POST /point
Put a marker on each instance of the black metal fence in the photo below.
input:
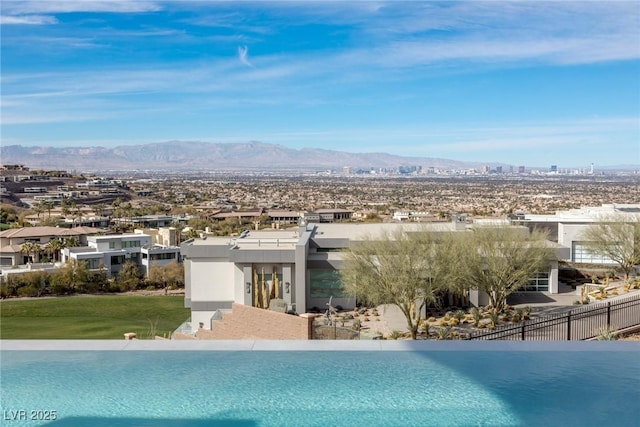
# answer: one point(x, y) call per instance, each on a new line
point(578, 324)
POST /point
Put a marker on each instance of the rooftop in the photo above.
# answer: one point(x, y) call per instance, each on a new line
point(47, 231)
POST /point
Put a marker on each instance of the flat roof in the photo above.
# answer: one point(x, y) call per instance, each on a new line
point(358, 231)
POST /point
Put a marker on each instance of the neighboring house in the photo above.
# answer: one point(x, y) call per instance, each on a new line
point(153, 221)
point(252, 215)
point(328, 215)
point(281, 217)
point(302, 263)
point(413, 216)
point(11, 240)
point(70, 222)
point(111, 252)
point(567, 228)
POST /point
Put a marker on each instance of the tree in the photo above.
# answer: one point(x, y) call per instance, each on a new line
point(38, 209)
point(404, 269)
point(500, 260)
point(69, 278)
point(616, 237)
point(167, 275)
point(130, 276)
point(47, 205)
point(200, 223)
point(71, 242)
point(54, 247)
point(67, 205)
point(32, 250)
point(51, 221)
point(8, 213)
point(100, 208)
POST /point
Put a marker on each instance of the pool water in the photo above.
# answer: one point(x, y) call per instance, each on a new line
point(321, 388)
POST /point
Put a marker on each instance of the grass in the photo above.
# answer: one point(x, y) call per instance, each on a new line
point(91, 317)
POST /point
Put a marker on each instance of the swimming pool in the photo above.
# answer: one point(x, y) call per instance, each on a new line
point(380, 384)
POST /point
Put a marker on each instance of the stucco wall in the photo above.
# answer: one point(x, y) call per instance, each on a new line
point(212, 281)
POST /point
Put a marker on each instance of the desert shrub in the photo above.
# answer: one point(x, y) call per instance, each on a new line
point(59, 288)
point(475, 315)
point(459, 315)
point(606, 334)
point(28, 291)
point(444, 333)
point(395, 335)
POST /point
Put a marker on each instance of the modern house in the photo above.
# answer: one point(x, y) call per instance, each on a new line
point(299, 266)
point(147, 221)
point(111, 252)
point(328, 215)
point(567, 228)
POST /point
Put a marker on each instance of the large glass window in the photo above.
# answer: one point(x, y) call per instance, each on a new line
point(325, 284)
point(538, 283)
point(164, 256)
point(93, 263)
point(580, 253)
point(117, 260)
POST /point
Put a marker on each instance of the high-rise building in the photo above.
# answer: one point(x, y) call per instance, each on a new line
point(520, 169)
point(553, 168)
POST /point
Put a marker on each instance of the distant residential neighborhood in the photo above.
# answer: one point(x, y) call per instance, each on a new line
point(227, 245)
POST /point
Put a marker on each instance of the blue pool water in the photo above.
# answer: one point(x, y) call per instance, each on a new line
point(321, 388)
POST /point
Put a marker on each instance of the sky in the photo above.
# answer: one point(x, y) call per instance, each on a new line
point(522, 83)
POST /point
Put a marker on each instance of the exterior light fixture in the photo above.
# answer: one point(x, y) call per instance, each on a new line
point(248, 287)
point(287, 285)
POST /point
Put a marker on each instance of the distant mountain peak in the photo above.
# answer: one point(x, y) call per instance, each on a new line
point(200, 155)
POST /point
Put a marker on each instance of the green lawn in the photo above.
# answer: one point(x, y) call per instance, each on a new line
point(91, 317)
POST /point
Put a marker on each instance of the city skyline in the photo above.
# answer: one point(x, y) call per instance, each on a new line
point(518, 83)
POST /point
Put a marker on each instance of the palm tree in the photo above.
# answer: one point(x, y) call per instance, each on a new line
point(31, 249)
point(38, 209)
point(48, 205)
point(71, 242)
point(54, 247)
point(100, 207)
point(66, 205)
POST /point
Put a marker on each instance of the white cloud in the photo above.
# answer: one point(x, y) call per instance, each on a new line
point(27, 20)
point(13, 7)
point(243, 53)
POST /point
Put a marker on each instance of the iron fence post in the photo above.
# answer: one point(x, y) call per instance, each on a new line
point(608, 314)
point(569, 326)
point(522, 332)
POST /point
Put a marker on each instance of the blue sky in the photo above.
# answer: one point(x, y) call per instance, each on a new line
point(531, 83)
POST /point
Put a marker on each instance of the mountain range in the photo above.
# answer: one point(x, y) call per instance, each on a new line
point(207, 156)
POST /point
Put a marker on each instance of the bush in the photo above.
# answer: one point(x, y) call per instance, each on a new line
point(606, 335)
point(395, 335)
point(59, 289)
point(28, 291)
